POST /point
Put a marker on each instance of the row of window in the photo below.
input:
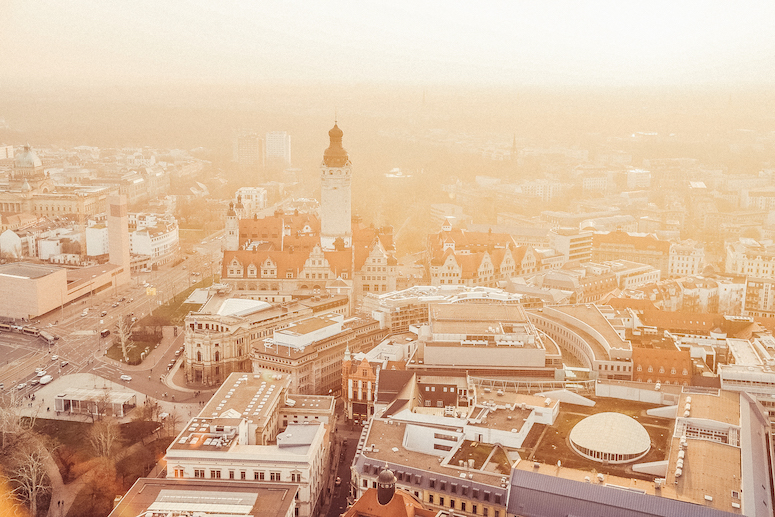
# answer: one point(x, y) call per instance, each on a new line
point(463, 505)
point(662, 370)
point(243, 475)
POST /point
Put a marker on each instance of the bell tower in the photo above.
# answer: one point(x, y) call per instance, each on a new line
point(335, 193)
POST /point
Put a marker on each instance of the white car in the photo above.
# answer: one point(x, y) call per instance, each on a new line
point(46, 379)
point(21, 386)
point(126, 378)
point(41, 373)
point(54, 357)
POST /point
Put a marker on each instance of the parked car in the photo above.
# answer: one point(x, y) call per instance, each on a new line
point(64, 363)
point(126, 378)
point(338, 481)
point(34, 382)
point(54, 357)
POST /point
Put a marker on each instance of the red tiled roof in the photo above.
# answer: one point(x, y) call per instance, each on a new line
point(271, 229)
point(402, 504)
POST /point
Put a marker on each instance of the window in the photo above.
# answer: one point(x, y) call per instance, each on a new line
point(243, 474)
point(215, 474)
point(451, 503)
point(231, 474)
point(274, 476)
point(430, 498)
point(474, 509)
point(485, 511)
point(462, 506)
point(199, 473)
point(365, 483)
point(651, 369)
point(296, 478)
point(441, 501)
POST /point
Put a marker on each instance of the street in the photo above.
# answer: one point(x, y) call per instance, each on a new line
point(81, 347)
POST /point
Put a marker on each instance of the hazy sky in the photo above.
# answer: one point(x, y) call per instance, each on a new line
point(512, 42)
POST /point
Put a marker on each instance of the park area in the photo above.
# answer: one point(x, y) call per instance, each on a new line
point(96, 461)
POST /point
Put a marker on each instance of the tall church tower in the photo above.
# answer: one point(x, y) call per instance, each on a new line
point(335, 197)
point(232, 229)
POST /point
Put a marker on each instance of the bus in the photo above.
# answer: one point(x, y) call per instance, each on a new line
point(47, 337)
point(31, 331)
point(5, 326)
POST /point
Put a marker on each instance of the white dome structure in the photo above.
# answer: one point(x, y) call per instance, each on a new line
point(611, 438)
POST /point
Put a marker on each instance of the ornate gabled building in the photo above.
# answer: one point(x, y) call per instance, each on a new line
point(296, 253)
point(458, 257)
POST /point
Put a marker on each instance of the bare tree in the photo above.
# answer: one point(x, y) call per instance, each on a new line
point(10, 505)
point(104, 437)
point(101, 405)
point(172, 421)
point(124, 336)
point(29, 474)
point(12, 425)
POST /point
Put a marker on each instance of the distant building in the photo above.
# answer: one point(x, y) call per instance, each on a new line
point(278, 147)
point(644, 249)
point(572, 243)
point(543, 189)
point(249, 150)
point(30, 191)
point(440, 212)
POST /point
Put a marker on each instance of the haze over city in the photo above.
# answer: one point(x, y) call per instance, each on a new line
point(337, 259)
